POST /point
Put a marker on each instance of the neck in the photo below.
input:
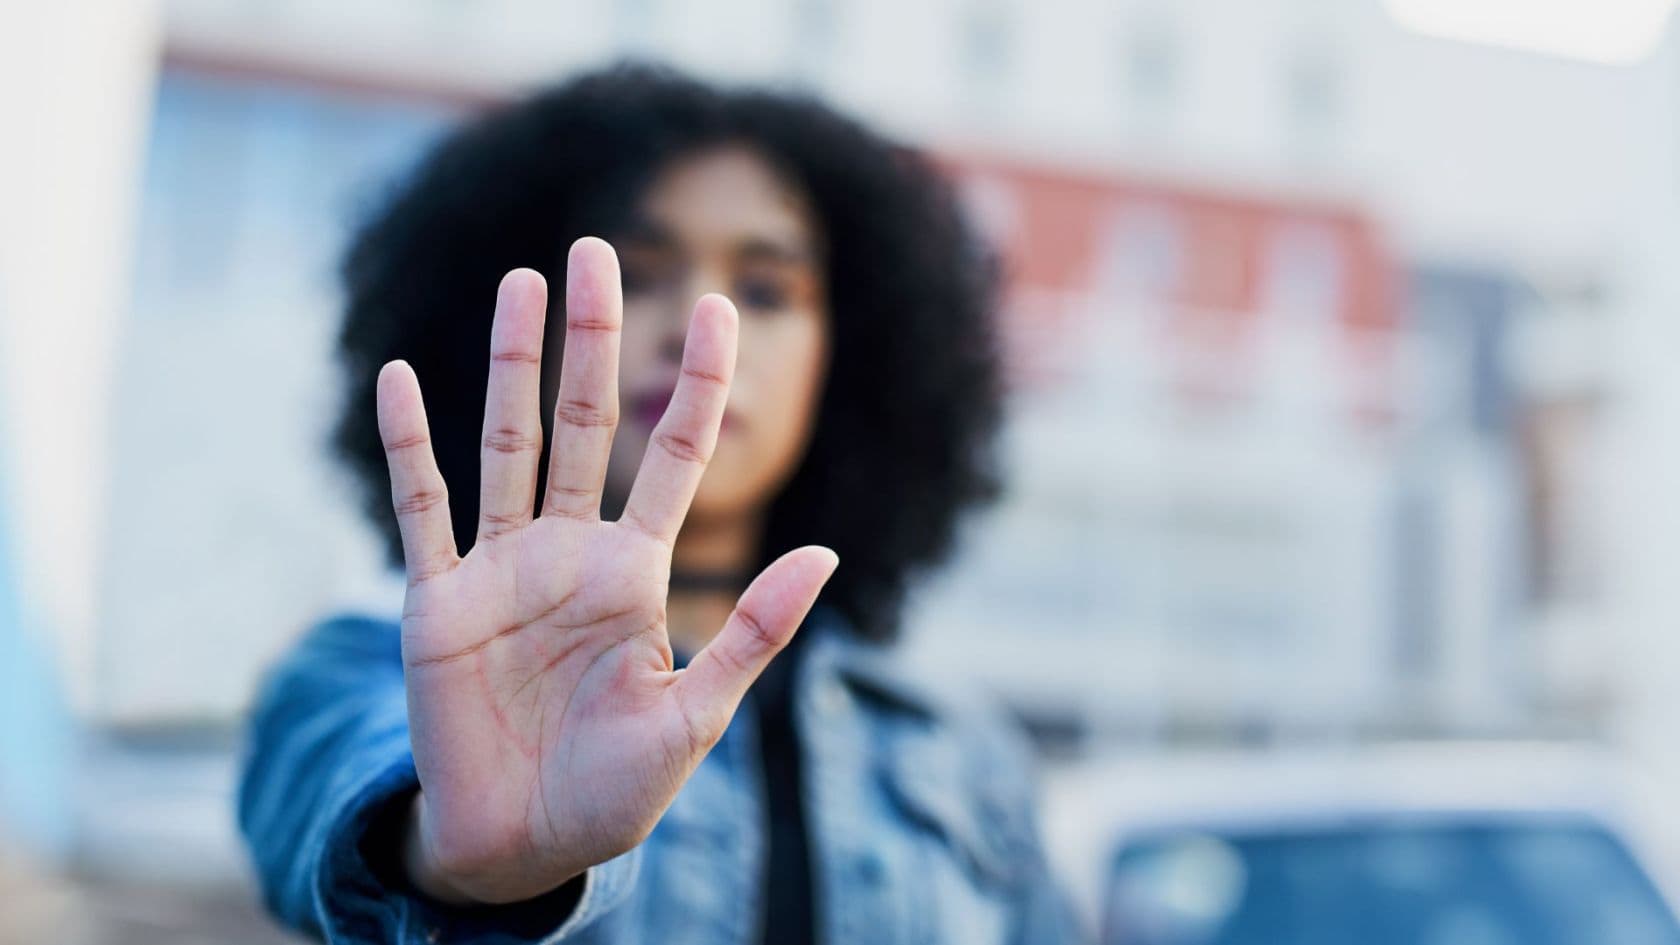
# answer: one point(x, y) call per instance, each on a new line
point(696, 613)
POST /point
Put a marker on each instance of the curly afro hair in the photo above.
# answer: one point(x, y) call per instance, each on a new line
point(904, 441)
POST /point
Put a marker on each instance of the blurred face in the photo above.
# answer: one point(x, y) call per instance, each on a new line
point(723, 221)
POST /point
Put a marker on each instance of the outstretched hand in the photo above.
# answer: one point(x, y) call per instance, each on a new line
point(549, 728)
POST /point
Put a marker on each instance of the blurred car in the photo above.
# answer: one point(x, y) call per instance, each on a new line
point(1407, 845)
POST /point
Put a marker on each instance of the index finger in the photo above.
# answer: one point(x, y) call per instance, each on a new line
point(418, 494)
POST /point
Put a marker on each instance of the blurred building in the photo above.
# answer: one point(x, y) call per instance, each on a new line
point(1255, 453)
point(1337, 350)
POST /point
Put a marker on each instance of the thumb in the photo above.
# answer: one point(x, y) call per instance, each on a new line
point(764, 620)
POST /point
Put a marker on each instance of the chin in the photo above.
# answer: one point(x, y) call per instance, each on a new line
point(715, 508)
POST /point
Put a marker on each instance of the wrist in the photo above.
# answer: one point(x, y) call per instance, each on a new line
point(446, 880)
point(421, 867)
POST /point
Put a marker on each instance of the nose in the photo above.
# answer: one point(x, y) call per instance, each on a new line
point(674, 328)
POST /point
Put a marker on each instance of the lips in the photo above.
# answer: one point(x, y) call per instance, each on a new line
point(646, 408)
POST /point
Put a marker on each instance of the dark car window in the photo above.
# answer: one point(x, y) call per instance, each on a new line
point(1540, 882)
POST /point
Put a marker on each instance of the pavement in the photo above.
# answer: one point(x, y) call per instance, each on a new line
point(38, 905)
point(155, 856)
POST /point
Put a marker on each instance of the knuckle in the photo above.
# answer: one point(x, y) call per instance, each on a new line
point(570, 510)
point(495, 524)
point(582, 413)
point(756, 632)
point(733, 663)
point(420, 501)
point(424, 571)
point(633, 520)
point(705, 377)
point(590, 325)
point(408, 442)
point(508, 440)
point(702, 730)
point(682, 447)
point(571, 502)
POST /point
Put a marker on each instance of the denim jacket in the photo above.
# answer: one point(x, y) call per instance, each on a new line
point(919, 811)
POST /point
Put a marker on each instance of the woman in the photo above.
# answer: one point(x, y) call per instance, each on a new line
point(551, 744)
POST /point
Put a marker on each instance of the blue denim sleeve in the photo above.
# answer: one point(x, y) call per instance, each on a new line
point(328, 755)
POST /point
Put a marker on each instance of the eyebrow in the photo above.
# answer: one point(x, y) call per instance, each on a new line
point(758, 249)
point(655, 235)
point(640, 229)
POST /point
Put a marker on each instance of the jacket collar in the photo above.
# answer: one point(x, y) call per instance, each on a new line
point(869, 668)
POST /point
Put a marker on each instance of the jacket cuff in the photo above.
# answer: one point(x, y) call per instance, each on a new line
point(605, 887)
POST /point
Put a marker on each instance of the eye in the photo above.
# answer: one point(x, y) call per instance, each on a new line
point(761, 293)
point(642, 275)
point(638, 280)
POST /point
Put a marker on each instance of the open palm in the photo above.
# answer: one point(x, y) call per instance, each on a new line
point(549, 728)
